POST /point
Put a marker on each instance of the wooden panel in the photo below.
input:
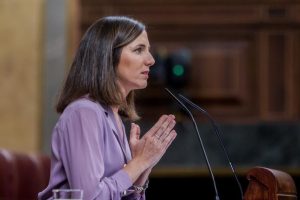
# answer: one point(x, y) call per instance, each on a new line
point(73, 29)
point(218, 70)
point(21, 55)
point(277, 73)
point(276, 60)
point(193, 12)
point(296, 70)
point(177, 13)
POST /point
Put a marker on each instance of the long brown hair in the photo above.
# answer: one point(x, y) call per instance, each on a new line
point(94, 67)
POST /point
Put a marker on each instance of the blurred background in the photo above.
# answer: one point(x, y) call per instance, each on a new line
point(237, 59)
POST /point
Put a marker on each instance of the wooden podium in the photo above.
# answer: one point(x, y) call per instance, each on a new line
point(270, 184)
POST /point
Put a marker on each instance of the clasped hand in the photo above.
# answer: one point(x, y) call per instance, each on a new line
point(152, 146)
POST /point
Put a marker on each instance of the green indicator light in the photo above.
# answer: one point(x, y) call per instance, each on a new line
point(178, 70)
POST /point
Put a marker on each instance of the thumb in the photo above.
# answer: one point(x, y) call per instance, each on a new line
point(134, 132)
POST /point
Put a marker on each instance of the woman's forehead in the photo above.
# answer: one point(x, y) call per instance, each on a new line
point(142, 39)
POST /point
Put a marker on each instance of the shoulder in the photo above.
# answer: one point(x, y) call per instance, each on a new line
point(83, 108)
point(84, 103)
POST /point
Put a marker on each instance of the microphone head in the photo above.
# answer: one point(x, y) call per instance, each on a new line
point(182, 105)
point(172, 95)
point(168, 91)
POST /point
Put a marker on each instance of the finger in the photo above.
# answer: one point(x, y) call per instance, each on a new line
point(172, 116)
point(167, 131)
point(157, 125)
point(169, 139)
point(165, 125)
point(138, 132)
point(133, 132)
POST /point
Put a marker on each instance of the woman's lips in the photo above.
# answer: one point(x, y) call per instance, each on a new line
point(145, 72)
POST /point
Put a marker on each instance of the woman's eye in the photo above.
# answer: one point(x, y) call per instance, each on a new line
point(138, 50)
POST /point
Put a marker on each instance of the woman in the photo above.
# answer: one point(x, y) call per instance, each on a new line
point(90, 150)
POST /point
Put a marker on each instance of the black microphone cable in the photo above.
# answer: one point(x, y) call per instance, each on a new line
point(217, 131)
point(200, 140)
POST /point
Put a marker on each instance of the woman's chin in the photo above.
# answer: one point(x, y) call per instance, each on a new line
point(141, 86)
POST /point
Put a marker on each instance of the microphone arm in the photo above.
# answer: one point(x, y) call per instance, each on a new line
point(217, 131)
point(200, 140)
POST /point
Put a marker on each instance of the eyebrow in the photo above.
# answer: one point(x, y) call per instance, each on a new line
point(142, 45)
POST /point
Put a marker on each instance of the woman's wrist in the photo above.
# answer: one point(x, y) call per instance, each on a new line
point(134, 169)
point(143, 177)
point(141, 189)
point(136, 189)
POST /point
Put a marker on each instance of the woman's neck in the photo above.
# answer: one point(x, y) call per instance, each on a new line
point(123, 90)
point(115, 109)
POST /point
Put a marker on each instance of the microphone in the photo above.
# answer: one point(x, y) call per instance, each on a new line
point(200, 140)
point(217, 131)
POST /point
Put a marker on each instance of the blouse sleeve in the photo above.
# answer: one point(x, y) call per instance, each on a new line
point(80, 151)
point(135, 196)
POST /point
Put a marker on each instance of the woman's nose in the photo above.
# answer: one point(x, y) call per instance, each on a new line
point(150, 60)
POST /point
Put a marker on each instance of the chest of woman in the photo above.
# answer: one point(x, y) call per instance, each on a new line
point(115, 149)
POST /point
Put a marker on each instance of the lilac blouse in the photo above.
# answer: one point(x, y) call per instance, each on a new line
point(89, 153)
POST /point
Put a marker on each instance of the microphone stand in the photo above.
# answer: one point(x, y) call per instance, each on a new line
point(217, 131)
point(200, 140)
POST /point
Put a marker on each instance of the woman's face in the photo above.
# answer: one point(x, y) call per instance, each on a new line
point(134, 66)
